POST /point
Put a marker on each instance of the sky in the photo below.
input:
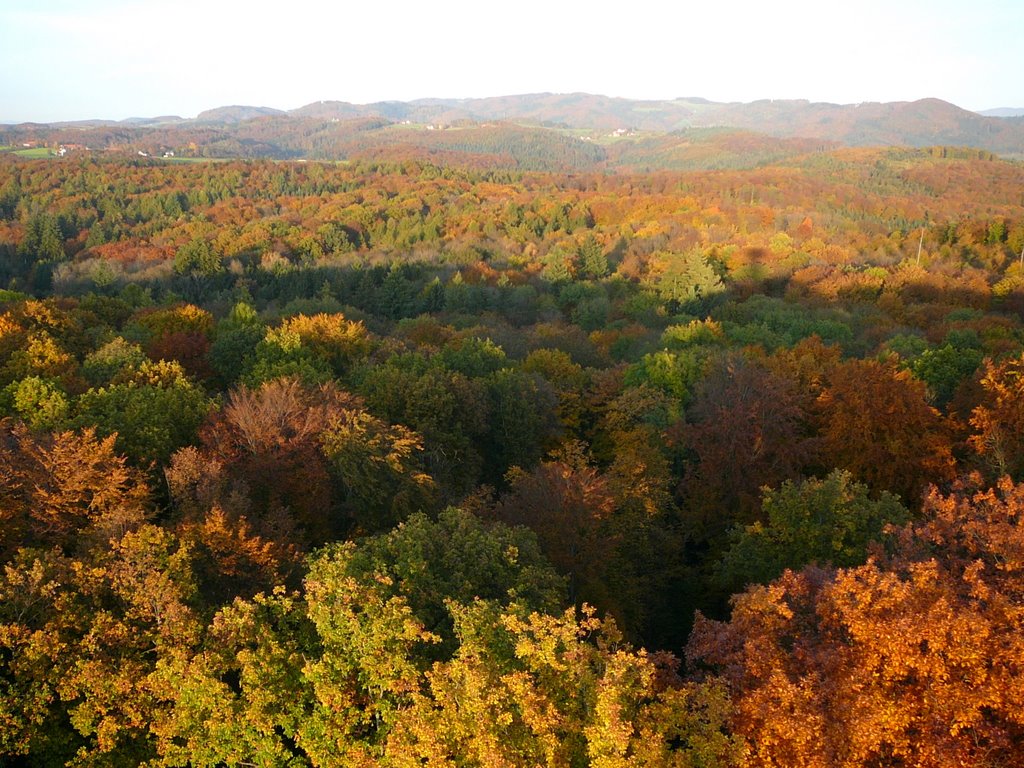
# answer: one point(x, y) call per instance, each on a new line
point(114, 59)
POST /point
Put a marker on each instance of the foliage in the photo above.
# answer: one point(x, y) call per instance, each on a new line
point(999, 418)
point(876, 422)
point(909, 658)
point(152, 413)
point(829, 522)
point(303, 463)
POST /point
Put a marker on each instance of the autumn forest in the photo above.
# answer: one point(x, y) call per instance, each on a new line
point(424, 459)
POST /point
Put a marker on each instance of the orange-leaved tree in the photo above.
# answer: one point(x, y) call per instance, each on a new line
point(875, 421)
point(913, 659)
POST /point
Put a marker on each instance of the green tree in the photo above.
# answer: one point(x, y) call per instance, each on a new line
point(828, 522)
point(553, 690)
point(117, 359)
point(591, 263)
point(944, 368)
point(153, 413)
point(197, 257)
point(378, 468)
point(40, 403)
point(686, 280)
point(43, 241)
point(457, 558)
point(523, 421)
point(234, 342)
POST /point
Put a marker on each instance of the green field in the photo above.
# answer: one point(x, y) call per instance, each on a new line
point(186, 160)
point(34, 152)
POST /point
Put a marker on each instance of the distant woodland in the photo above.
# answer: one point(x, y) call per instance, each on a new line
point(439, 458)
point(576, 132)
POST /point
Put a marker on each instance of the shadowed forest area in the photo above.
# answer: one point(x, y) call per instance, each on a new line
point(405, 463)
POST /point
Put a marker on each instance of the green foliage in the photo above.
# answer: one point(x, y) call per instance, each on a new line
point(686, 281)
point(522, 424)
point(282, 354)
point(197, 257)
point(554, 690)
point(43, 241)
point(153, 412)
point(775, 323)
point(457, 558)
point(117, 359)
point(379, 469)
point(696, 333)
point(591, 262)
point(592, 314)
point(674, 373)
point(448, 409)
point(944, 368)
point(828, 522)
point(473, 357)
point(235, 339)
point(908, 346)
point(40, 403)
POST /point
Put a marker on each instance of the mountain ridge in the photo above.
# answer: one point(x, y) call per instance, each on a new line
point(503, 126)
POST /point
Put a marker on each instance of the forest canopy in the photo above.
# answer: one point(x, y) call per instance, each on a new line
point(401, 462)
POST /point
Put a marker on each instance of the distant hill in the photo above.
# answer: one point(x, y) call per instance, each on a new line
point(161, 120)
point(575, 110)
point(235, 114)
point(331, 110)
point(916, 123)
point(1003, 112)
point(573, 131)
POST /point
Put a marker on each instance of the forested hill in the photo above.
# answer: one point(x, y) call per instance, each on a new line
point(557, 132)
point(391, 463)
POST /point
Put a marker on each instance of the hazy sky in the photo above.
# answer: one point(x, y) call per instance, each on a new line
point(76, 59)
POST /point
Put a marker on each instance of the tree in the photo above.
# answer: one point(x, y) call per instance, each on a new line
point(265, 446)
point(748, 428)
point(340, 676)
point(685, 280)
point(282, 354)
point(875, 421)
point(827, 522)
point(116, 360)
point(944, 369)
point(912, 658)
point(69, 490)
point(378, 469)
point(43, 241)
point(81, 643)
point(447, 408)
point(40, 403)
point(152, 413)
point(567, 504)
point(197, 257)
point(339, 341)
point(234, 340)
point(456, 558)
point(522, 421)
point(526, 690)
point(998, 421)
point(591, 263)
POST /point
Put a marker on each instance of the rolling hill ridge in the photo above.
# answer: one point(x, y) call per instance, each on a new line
point(543, 131)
